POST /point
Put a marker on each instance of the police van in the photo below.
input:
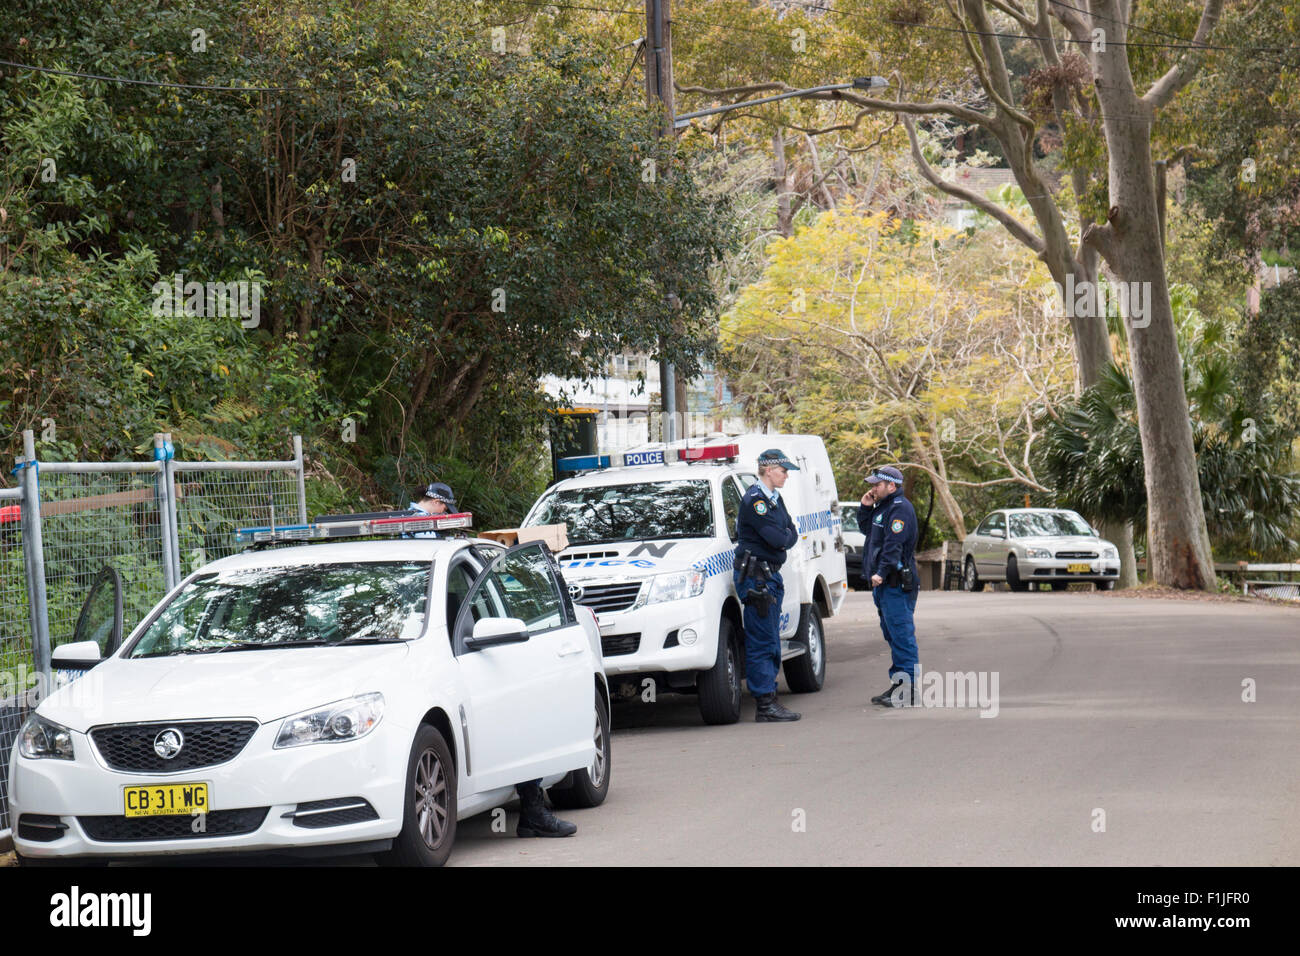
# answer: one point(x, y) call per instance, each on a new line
point(651, 540)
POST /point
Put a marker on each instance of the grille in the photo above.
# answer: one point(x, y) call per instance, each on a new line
point(589, 556)
point(609, 597)
point(1076, 554)
point(611, 645)
point(318, 814)
point(129, 747)
point(142, 829)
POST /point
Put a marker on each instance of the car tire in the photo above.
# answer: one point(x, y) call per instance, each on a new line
point(430, 768)
point(590, 785)
point(719, 686)
point(1105, 585)
point(971, 579)
point(806, 673)
point(1060, 585)
point(1013, 575)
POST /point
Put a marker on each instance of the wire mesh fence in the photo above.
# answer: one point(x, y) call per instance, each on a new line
point(92, 520)
point(119, 515)
point(1274, 590)
point(211, 504)
point(15, 641)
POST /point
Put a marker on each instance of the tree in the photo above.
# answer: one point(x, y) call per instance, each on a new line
point(911, 332)
point(1089, 91)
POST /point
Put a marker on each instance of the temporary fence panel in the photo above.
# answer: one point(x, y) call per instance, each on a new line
point(153, 522)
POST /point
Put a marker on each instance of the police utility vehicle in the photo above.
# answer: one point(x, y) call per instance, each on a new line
point(652, 538)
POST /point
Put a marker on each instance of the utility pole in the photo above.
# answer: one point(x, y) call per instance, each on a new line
point(659, 95)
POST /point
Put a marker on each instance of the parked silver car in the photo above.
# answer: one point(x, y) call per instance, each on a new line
point(1023, 546)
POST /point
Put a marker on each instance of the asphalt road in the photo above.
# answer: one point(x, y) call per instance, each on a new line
point(1124, 705)
point(1128, 706)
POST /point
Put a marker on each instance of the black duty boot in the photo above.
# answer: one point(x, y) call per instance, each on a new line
point(883, 697)
point(535, 820)
point(769, 709)
point(909, 696)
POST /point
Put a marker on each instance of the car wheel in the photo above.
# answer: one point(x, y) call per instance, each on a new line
point(429, 819)
point(972, 577)
point(590, 785)
point(719, 686)
point(1105, 585)
point(1060, 585)
point(1013, 575)
point(806, 673)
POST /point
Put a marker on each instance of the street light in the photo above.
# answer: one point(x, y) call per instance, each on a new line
point(858, 83)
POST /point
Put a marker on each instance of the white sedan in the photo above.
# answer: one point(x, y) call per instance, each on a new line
point(362, 695)
point(1028, 546)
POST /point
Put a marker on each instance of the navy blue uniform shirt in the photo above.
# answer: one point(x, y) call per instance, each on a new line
point(764, 526)
point(891, 544)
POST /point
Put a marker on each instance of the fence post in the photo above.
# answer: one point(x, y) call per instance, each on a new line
point(302, 481)
point(167, 532)
point(169, 470)
point(34, 560)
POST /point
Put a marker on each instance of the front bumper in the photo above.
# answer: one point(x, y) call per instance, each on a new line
point(1058, 569)
point(80, 797)
point(649, 639)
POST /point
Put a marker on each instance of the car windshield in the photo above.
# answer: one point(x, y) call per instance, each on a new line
point(681, 508)
point(1048, 524)
point(266, 608)
point(850, 518)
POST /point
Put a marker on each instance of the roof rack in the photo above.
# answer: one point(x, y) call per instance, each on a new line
point(389, 524)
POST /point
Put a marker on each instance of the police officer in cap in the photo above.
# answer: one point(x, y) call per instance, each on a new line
point(890, 562)
point(765, 532)
point(535, 818)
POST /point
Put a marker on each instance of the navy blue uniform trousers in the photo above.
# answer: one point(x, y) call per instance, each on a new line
point(896, 607)
point(762, 635)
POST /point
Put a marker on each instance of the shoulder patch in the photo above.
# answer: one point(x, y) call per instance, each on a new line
point(897, 526)
point(760, 507)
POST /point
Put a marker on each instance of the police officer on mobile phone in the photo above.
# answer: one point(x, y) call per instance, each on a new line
point(890, 562)
point(764, 532)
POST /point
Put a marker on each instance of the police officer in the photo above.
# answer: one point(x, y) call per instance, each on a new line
point(535, 818)
point(436, 500)
point(890, 562)
point(764, 532)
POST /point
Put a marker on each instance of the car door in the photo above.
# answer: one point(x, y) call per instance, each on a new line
point(995, 546)
point(100, 621)
point(530, 701)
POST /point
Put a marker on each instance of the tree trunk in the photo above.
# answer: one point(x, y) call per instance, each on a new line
point(1178, 542)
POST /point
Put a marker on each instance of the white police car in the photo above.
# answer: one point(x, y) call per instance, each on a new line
point(651, 542)
point(360, 694)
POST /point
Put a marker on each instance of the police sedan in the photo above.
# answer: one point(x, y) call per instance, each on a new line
point(358, 694)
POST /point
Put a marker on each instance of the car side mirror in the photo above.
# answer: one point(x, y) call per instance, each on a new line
point(1095, 532)
point(82, 652)
point(495, 631)
point(998, 533)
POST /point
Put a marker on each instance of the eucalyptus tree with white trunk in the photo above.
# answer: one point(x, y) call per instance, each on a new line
point(1086, 77)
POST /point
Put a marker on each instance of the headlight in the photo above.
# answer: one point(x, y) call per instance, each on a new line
point(44, 738)
point(671, 587)
point(1037, 553)
point(343, 720)
point(1110, 554)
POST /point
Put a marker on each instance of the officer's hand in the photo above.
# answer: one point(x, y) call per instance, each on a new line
point(869, 498)
point(877, 580)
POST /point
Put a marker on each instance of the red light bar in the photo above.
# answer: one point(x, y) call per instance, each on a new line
point(709, 453)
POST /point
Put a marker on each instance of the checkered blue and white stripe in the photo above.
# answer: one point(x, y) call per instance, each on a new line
point(719, 563)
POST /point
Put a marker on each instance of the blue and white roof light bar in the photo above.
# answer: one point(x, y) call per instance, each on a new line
point(652, 456)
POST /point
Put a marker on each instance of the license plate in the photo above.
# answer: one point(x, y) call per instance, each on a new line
point(165, 800)
point(1079, 568)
